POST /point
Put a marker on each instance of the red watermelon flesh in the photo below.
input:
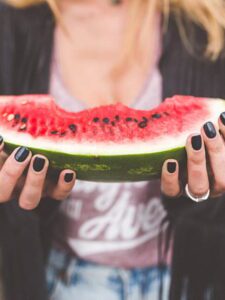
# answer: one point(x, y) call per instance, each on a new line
point(40, 116)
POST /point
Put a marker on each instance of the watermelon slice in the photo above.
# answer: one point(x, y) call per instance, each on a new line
point(108, 143)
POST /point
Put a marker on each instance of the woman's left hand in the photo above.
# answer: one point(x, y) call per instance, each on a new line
point(198, 178)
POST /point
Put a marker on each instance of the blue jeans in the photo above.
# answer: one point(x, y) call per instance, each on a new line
point(75, 279)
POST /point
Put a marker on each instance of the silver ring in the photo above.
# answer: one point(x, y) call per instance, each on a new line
point(194, 198)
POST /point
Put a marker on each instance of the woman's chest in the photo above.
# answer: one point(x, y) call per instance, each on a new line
point(88, 59)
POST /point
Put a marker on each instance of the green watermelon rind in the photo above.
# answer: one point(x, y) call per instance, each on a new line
point(113, 168)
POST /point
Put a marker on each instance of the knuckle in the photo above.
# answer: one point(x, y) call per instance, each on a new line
point(215, 147)
point(171, 190)
point(9, 173)
point(36, 182)
point(196, 159)
point(6, 189)
point(29, 200)
point(33, 194)
point(196, 174)
point(169, 179)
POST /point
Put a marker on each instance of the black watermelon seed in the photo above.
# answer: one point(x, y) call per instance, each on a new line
point(145, 119)
point(128, 119)
point(73, 128)
point(117, 118)
point(17, 117)
point(24, 120)
point(166, 113)
point(96, 120)
point(23, 128)
point(142, 124)
point(63, 133)
point(15, 122)
point(106, 120)
point(156, 116)
point(113, 123)
point(135, 120)
point(54, 132)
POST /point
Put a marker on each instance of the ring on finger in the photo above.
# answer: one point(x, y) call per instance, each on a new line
point(196, 198)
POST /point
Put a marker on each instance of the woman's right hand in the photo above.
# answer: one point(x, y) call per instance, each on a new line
point(30, 188)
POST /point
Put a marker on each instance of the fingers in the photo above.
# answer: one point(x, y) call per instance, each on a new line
point(64, 186)
point(30, 192)
point(198, 181)
point(33, 187)
point(170, 185)
point(12, 170)
point(216, 150)
point(198, 178)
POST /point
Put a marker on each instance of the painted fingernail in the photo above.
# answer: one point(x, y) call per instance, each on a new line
point(1, 139)
point(222, 118)
point(171, 167)
point(210, 130)
point(38, 164)
point(68, 177)
point(196, 142)
point(21, 154)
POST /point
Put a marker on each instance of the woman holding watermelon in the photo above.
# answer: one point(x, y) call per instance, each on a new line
point(93, 245)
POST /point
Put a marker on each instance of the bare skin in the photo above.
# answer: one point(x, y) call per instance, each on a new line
point(86, 58)
point(91, 48)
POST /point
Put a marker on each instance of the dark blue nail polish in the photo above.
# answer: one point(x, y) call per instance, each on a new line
point(21, 154)
point(38, 164)
point(171, 167)
point(210, 130)
point(68, 177)
point(196, 142)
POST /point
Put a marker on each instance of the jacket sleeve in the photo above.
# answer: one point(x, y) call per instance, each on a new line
point(26, 39)
point(7, 48)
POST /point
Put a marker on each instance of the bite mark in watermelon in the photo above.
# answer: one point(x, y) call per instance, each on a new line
point(107, 143)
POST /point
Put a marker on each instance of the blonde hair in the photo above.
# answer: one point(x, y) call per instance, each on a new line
point(208, 14)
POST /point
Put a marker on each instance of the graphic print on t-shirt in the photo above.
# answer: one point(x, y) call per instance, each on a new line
point(110, 217)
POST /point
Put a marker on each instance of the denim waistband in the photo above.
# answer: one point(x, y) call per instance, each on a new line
point(82, 275)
